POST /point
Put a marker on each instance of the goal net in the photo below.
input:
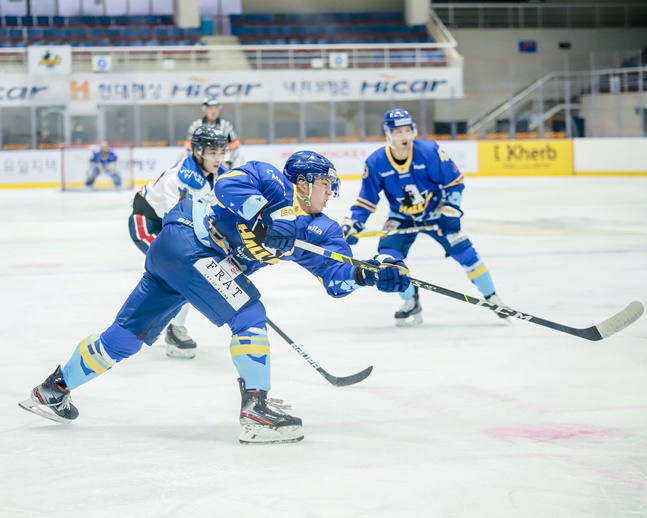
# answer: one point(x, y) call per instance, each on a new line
point(76, 166)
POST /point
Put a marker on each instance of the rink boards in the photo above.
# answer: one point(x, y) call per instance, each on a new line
point(547, 157)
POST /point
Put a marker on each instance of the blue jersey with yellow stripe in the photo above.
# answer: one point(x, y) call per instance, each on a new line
point(234, 226)
point(413, 189)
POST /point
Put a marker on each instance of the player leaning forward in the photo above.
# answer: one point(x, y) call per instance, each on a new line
point(424, 188)
point(203, 255)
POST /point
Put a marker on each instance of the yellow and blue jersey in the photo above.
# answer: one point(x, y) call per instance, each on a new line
point(413, 189)
point(235, 226)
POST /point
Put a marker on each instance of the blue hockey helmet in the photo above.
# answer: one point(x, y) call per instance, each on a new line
point(308, 166)
point(207, 136)
point(397, 118)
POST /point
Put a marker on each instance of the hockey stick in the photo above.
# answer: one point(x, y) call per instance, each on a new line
point(384, 233)
point(333, 380)
point(604, 329)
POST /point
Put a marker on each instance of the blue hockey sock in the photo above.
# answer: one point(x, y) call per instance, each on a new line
point(409, 292)
point(250, 352)
point(88, 360)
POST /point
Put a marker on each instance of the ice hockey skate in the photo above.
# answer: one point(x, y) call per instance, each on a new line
point(52, 400)
point(178, 343)
point(264, 425)
point(494, 299)
point(410, 313)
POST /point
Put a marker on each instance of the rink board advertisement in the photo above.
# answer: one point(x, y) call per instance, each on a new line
point(526, 158)
point(626, 156)
point(42, 168)
point(242, 86)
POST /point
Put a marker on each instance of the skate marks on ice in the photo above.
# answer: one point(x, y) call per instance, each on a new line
point(548, 425)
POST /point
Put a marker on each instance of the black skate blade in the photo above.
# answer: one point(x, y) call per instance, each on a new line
point(38, 409)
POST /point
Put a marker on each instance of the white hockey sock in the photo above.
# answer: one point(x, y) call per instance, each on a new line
point(180, 318)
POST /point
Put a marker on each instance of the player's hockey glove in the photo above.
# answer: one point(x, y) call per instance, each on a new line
point(350, 227)
point(450, 219)
point(393, 274)
point(281, 229)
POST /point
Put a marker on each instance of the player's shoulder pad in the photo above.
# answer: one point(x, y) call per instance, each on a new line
point(427, 145)
point(378, 154)
point(189, 176)
point(321, 228)
point(430, 150)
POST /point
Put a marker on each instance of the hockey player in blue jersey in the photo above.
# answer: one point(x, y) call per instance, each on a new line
point(103, 161)
point(193, 177)
point(204, 255)
point(423, 187)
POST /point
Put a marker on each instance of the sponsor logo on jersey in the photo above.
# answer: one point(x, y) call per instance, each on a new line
point(221, 275)
point(315, 229)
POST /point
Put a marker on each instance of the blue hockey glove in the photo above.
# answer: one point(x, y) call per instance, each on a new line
point(393, 274)
point(350, 227)
point(281, 229)
point(450, 219)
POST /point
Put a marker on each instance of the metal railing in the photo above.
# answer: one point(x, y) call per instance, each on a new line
point(560, 94)
point(241, 57)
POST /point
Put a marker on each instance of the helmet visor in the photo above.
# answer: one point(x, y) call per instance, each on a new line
point(332, 181)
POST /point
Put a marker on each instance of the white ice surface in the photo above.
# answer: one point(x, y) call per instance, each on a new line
point(465, 416)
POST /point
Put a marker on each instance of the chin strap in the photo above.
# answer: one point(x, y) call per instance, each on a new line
point(306, 199)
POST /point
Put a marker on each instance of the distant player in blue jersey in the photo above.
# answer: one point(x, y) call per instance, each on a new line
point(204, 255)
point(194, 177)
point(423, 187)
point(103, 161)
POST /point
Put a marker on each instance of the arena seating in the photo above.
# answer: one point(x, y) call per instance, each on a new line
point(326, 28)
point(333, 28)
point(90, 31)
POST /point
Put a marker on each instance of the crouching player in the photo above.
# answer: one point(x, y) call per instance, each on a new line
point(204, 255)
point(103, 161)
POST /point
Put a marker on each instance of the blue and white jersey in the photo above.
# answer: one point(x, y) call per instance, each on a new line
point(234, 225)
point(162, 194)
point(413, 189)
point(110, 159)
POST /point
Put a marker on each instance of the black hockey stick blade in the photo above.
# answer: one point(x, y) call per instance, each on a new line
point(609, 327)
point(344, 381)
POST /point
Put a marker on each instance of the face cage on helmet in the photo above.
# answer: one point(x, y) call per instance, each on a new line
point(335, 183)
